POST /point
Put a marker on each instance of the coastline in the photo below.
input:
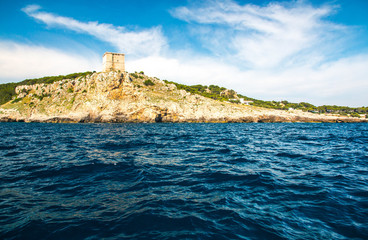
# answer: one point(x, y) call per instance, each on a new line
point(245, 119)
point(113, 97)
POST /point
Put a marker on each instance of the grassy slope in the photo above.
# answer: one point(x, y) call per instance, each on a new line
point(282, 105)
point(7, 93)
point(7, 90)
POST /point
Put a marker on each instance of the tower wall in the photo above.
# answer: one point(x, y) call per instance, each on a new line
point(113, 62)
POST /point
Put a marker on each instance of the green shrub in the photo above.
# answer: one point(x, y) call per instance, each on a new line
point(234, 101)
point(70, 90)
point(7, 90)
point(52, 79)
point(354, 114)
point(148, 82)
point(17, 100)
point(41, 97)
point(38, 97)
point(141, 72)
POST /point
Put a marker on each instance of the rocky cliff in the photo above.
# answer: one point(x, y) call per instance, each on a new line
point(116, 97)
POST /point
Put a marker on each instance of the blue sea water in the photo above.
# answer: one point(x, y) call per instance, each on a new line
point(183, 181)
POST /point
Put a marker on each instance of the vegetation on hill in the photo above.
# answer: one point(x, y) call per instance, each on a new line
point(307, 107)
point(7, 90)
point(211, 91)
point(148, 82)
point(214, 92)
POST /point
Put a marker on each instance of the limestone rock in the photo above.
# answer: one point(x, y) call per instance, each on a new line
point(122, 97)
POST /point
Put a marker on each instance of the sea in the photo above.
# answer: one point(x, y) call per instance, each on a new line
point(184, 181)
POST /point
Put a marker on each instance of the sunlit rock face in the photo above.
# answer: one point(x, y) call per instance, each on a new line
point(122, 97)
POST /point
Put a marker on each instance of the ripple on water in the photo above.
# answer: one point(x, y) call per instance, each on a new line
point(183, 181)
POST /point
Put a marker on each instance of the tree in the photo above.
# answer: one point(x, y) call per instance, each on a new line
point(148, 82)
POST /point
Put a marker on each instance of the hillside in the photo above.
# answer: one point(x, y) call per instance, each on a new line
point(213, 92)
point(7, 90)
point(116, 97)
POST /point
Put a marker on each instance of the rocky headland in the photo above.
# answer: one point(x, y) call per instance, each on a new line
point(116, 97)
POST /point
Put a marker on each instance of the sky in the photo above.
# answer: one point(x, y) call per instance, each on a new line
point(299, 51)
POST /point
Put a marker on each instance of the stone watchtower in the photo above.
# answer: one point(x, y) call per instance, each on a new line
point(113, 62)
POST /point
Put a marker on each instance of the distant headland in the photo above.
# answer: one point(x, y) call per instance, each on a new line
point(115, 95)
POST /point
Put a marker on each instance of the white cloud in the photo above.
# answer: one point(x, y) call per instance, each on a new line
point(21, 61)
point(31, 8)
point(262, 37)
point(140, 43)
point(276, 52)
point(184, 70)
point(343, 82)
point(280, 50)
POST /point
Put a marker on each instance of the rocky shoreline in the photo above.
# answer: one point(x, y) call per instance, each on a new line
point(249, 119)
point(123, 98)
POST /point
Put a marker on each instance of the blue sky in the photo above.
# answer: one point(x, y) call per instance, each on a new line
point(313, 51)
